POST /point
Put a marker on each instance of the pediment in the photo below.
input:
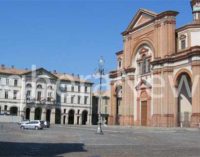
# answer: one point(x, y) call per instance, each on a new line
point(143, 84)
point(40, 73)
point(142, 16)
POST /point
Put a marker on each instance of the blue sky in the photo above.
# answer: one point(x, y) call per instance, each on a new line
point(71, 35)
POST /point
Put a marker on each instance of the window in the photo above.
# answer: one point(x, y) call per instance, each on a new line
point(86, 89)
point(79, 99)
point(119, 63)
point(79, 88)
point(72, 88)
point(39, 94)
point(15, 82)
point(28, 95)
point(106, 101)
point(85, 100)
point(106, 110)
point(64, 110)
point(72, 99)
point(144, 66)
point(183, 44)
point(14, 94)
point(65, 99)
point(49, 96)
point(6, 94)
point(7, 81)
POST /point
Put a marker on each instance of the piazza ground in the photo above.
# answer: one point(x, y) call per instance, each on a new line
point(81, 141)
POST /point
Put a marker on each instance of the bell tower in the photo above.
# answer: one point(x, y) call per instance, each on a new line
point(195, 4)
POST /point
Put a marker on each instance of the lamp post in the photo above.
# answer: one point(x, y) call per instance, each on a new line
point(101, 73)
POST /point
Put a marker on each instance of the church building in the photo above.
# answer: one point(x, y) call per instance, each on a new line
point(157, 80)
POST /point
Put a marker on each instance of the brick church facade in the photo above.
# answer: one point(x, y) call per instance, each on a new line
point(157, 80)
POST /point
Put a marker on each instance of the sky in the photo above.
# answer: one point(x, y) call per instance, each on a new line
point(71, 35)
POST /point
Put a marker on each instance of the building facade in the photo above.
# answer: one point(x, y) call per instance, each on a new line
point(43, 95)
point(157, 81)
point(105, 107)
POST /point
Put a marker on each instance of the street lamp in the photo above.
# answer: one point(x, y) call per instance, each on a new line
point(101, 73)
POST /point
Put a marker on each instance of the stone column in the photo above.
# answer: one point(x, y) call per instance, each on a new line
point(111, 120)
point(75, 119)
point(32, 113)
point(52, 118)
point(43, 117)
point(156, 98)
point(66, 119)
point(168, 99)
point(88, 119)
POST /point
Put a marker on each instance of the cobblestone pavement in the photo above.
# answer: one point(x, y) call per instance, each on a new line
point(81, 141)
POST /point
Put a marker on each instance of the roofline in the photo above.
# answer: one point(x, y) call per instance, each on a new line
point(192, 25)
point(119, 52)
point(158, 16)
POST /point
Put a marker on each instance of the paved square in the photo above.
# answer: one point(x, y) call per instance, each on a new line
point(81, 141)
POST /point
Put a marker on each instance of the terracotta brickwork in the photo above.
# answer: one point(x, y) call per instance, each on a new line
point(159, 74)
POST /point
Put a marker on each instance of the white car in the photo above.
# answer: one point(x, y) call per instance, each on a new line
point(35, 124)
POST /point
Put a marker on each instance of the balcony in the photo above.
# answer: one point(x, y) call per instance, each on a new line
point(41, 102)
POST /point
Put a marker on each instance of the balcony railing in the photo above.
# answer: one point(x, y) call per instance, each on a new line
point(40, 102)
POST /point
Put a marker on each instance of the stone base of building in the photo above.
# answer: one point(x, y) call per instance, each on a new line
point(122, 120)
point(195, 120)
point(166, 120)
point(111, 120)
point(126, 120)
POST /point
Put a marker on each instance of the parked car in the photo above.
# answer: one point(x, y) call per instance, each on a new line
point(35, 124)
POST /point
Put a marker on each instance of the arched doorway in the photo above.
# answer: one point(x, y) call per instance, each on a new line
point(184, 106)
point(48, 115)
point(38, 113)
point(84, 117)
point(58, 116)
point(27, 114)
point(13, 111)
point(71, 117)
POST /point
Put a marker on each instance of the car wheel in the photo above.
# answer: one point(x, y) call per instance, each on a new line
point(36, 128)
point(22, 127)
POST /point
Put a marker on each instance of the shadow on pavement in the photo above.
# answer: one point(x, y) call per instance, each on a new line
point(39, 149)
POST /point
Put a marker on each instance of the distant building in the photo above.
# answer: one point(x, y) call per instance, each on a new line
point(157, 82)
point(105, 107)
point(43, 95)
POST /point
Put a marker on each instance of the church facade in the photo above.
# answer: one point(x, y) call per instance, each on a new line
point(157, 80)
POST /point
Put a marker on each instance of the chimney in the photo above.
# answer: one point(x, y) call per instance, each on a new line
point(73, 74)
point(54, 72)
point(12, 66)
